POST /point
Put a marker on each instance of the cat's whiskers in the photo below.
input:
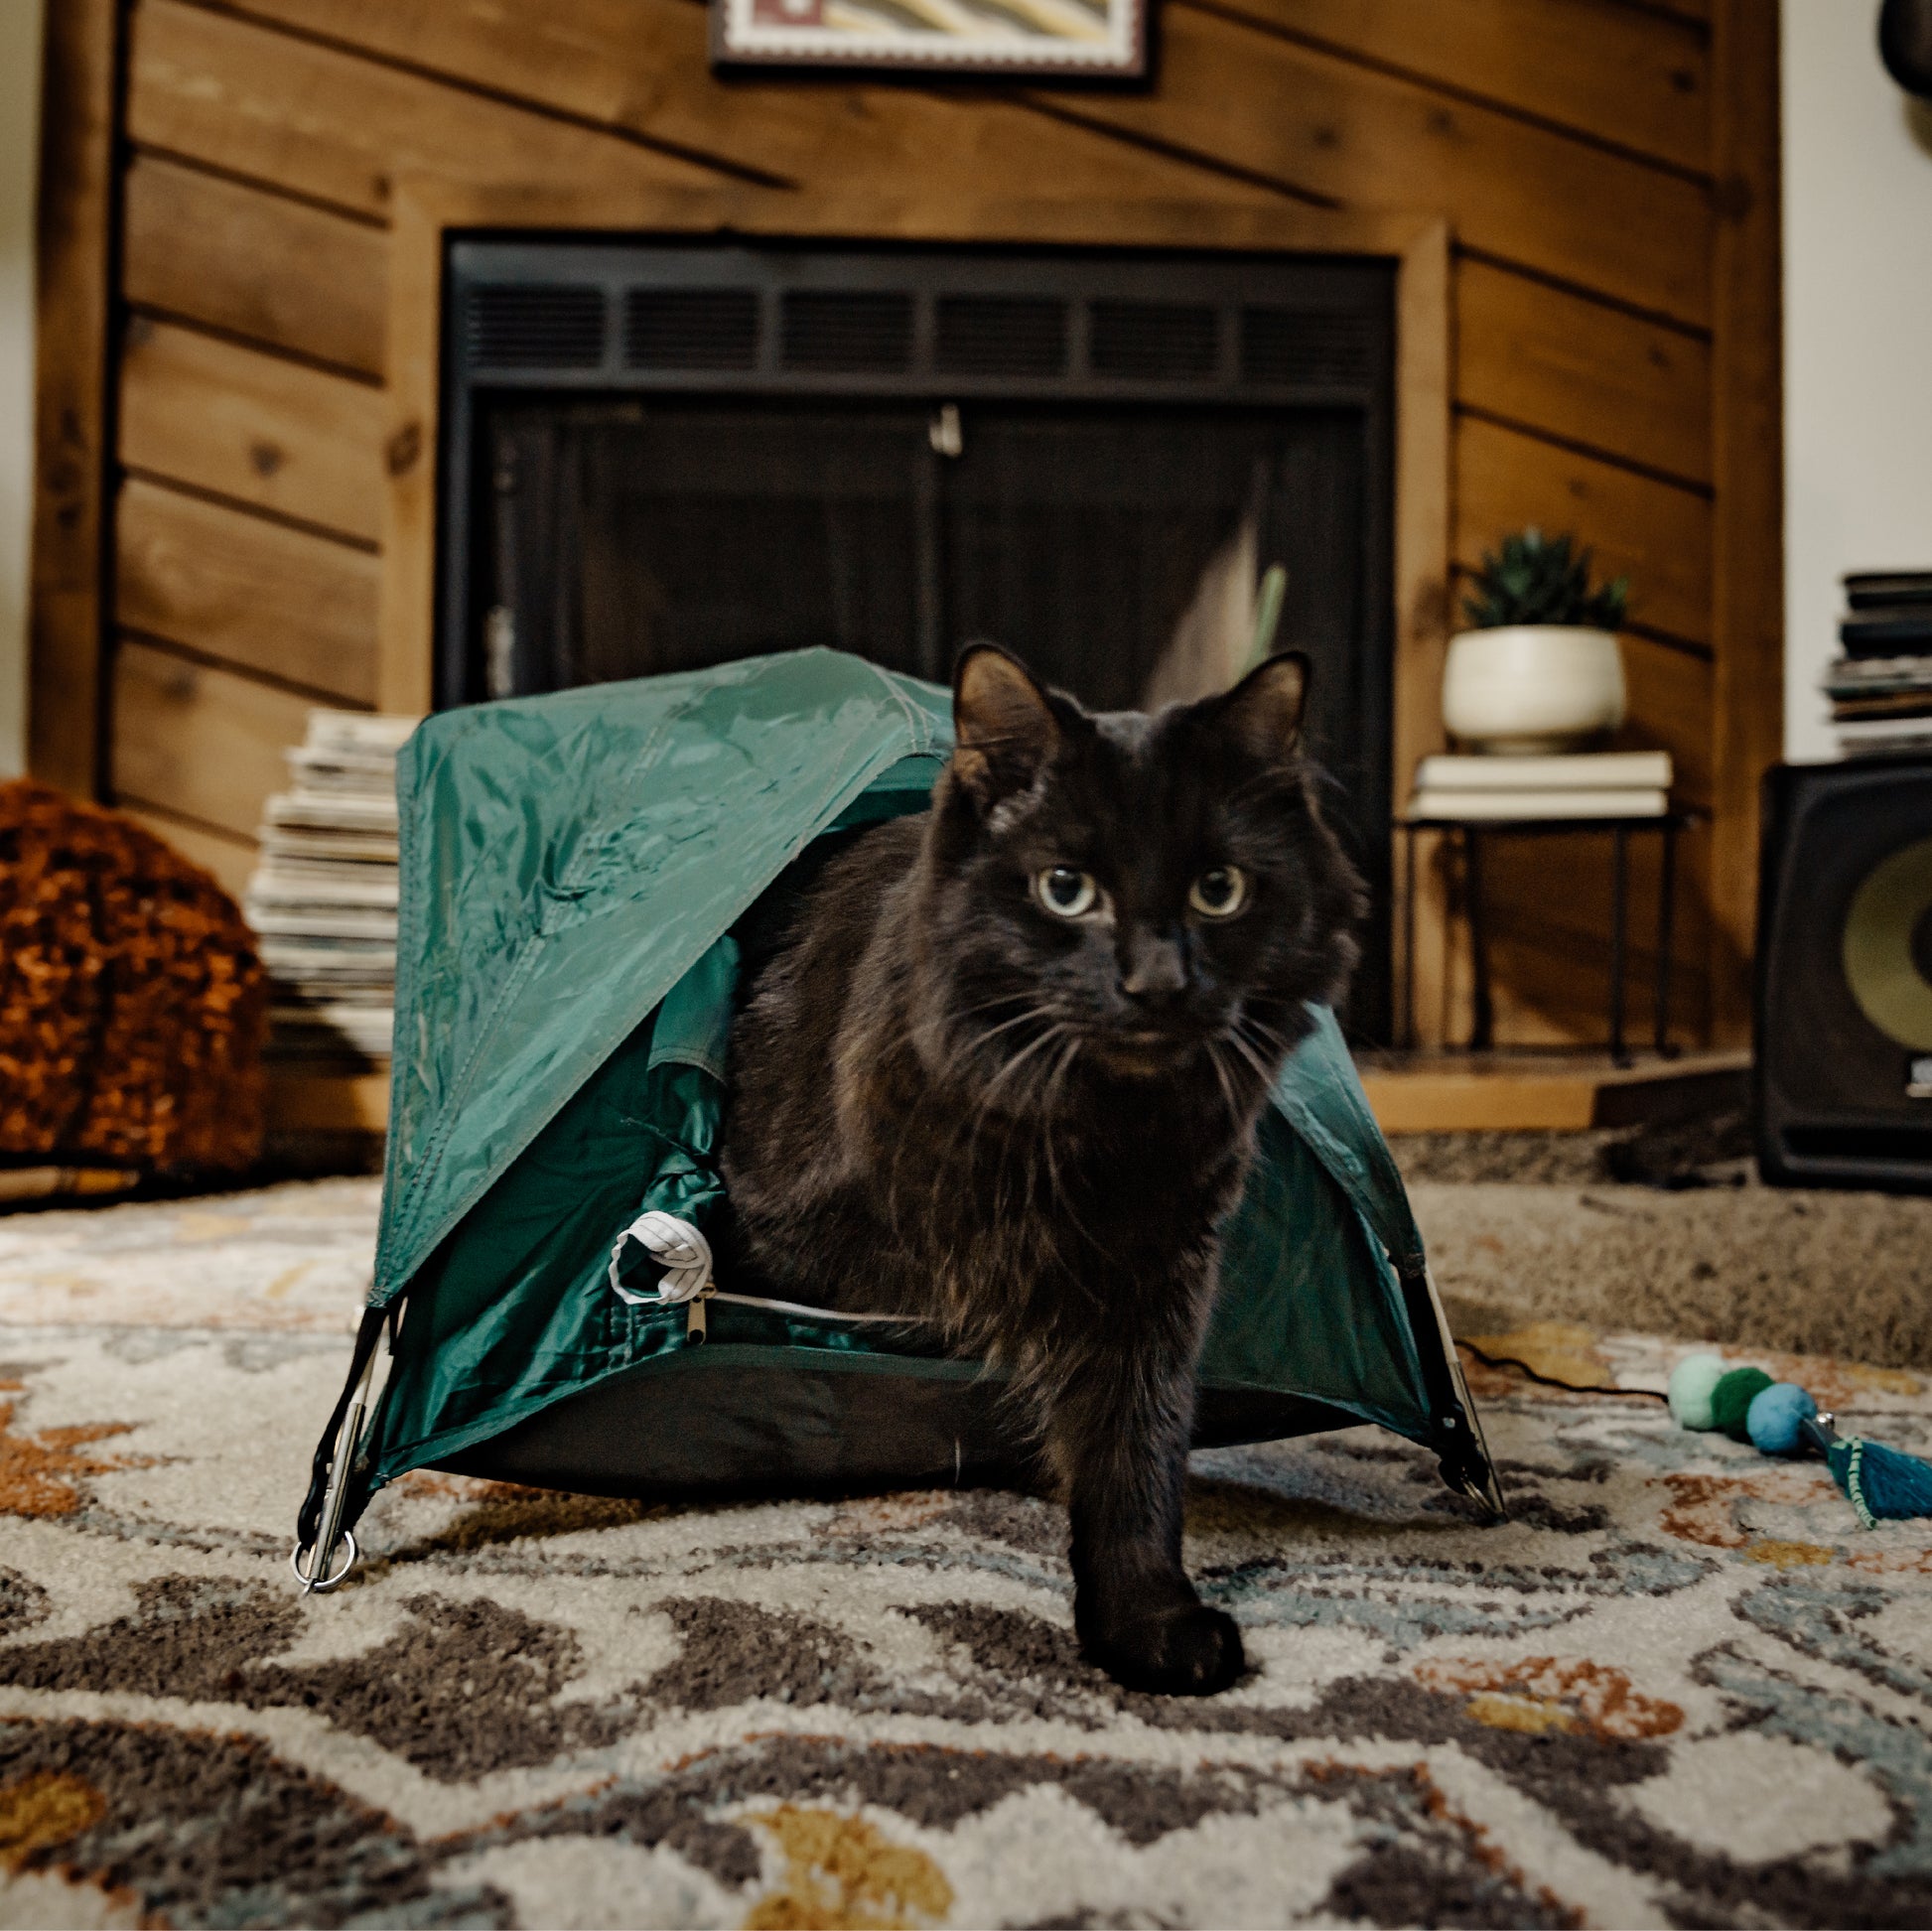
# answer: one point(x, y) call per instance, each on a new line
point(963, 1045)
point(1057, 1030)
point(1247, 1015)
point(1061, 1200)
point(960, 1049)
point(1276, 1045)
point(1024, 1121)
point(1262, 1070)
point(957, 1050)
point(1226, 1084)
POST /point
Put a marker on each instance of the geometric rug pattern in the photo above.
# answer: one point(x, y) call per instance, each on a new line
point(1679, 1686)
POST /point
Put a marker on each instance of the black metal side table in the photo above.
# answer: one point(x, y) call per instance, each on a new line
point(1666, 825)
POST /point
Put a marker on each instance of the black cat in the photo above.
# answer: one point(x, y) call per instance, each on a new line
point(1003, 1073)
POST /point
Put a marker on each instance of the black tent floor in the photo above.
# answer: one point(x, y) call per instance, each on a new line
point(709, 1424)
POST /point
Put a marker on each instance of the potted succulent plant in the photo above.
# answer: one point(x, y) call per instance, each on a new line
point(1538, 668)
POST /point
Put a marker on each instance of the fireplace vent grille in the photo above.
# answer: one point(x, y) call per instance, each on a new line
point(535, 328)
point(1154, 342)
point(1282, 347)
point(853, 331)
point(691, 328)
point(998, 334)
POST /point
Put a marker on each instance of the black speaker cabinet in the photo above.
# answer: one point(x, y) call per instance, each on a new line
point(1843, 1026)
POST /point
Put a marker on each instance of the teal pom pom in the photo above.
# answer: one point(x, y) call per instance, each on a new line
point(1882, 1483)
point(1692, 1383)
point(1732, 1398)
point(1772, 1420)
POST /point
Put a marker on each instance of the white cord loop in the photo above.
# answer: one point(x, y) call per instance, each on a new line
point(685, 1254)
point(673, 1244)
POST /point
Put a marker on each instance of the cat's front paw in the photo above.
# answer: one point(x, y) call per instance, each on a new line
point(1187, 1652)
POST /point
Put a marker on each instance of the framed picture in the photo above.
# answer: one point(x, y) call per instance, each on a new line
point(1066, 39)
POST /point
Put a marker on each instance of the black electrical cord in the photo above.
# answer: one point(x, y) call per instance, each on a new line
point(1549, 1380)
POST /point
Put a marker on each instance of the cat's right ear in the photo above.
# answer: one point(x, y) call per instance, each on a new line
point(1004, 724)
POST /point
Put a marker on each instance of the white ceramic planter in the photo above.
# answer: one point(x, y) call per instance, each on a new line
point(1532, 687)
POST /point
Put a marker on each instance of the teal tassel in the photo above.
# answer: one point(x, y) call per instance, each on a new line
point(1881, 1483)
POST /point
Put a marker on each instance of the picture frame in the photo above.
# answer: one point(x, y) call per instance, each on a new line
point(1066, 40)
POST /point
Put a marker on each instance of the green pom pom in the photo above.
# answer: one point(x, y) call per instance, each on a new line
point(1690, 1383)
point(1732, 1398)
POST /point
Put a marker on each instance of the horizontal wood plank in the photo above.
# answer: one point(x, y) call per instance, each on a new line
point(1517, 898)
point(288, 438)
point(1550, 984)
point(1606, 69)
point(1232, 94)
point(205, 744)
point(279, 271)
point(260, 594)
point(1548, 954)
point(1671, 694)
point(1465, 1092)
point(1511, 189)
point(324, 123)
point(310, 117)
point(1580, 369)
point(1655, 533)
point(228, 857)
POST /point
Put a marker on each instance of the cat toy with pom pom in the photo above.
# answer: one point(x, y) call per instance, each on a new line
point(1778, 1417)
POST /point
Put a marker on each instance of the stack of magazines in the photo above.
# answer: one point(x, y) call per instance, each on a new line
point(323, 900)
point(1880, 688)
point(1488, 787)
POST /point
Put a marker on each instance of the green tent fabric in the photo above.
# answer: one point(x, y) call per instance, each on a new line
point(572, 869)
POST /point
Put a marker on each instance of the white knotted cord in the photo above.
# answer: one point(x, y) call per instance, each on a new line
point(674, 1244)
point(680, 1247)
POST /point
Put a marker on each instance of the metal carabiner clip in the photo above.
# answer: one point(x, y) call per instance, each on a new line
point(315, 1577)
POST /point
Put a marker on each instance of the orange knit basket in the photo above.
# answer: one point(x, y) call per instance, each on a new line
point(132, 1003)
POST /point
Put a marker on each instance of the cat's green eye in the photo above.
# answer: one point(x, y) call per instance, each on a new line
point(1219, 894)
point(1065, 892)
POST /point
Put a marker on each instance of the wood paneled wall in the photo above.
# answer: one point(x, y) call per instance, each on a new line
point(1608, 351)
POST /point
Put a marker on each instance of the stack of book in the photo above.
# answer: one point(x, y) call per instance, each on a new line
point(1494, 787)
point(323, 900)
point(1880, 688)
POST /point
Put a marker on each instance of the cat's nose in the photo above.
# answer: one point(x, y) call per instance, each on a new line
point(1151, 970)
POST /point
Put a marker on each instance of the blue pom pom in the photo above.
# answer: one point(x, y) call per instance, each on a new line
point(1772, 1419)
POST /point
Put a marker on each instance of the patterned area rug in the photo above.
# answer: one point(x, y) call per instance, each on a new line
point(1679, 1686)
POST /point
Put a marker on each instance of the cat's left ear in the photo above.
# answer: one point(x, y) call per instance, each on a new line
point(1264, 712)
point(1004, 724)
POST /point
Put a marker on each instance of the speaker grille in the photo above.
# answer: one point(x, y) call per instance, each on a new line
point(1153, 341)
point(848, 333)
point(691, 328)
point(1287, 346)
point(536, 328)
point(1845, 1005)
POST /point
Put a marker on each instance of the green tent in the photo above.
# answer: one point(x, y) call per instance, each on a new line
point(573, 867)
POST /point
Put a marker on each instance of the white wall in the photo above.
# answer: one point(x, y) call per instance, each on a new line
point(20, 96)
point(1857, 334)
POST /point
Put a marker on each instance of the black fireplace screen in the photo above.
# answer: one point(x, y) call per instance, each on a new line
point(662, 458)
